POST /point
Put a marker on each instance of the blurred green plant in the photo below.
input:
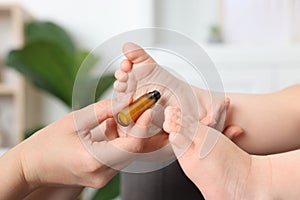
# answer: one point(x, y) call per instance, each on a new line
point(110, 191)
point(215, 34)
point(50, 60)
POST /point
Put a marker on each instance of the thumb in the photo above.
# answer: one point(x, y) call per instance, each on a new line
point(145, 119)
point(233, 131)
point(88, 117)
point(140, 129)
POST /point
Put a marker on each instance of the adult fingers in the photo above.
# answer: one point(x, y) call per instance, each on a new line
point(87, 118)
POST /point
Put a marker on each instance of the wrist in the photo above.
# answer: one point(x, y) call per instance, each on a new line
point(29, 161)
point(13, 181)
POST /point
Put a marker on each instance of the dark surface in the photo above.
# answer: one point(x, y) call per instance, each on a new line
point(169, 183)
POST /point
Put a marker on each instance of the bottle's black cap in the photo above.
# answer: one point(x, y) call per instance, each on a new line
point(154, 94)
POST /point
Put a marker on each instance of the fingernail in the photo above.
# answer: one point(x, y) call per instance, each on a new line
point(230, 133)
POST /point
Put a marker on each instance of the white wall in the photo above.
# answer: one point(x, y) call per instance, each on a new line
point(90, 22)
point(192, 18)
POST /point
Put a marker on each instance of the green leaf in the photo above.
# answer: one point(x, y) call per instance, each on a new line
point(50, 60)
point(87, 93)
point(110, 191)
point(49, 32)
point(89, 63)
point(48, 66)
point(30, 132)
point(104, 83)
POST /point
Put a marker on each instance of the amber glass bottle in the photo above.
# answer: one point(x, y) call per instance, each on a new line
point(135, 109)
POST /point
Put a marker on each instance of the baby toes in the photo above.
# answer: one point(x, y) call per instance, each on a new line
point(120, 86)
point(126, 65)
point(121, 76)
point(172, 120)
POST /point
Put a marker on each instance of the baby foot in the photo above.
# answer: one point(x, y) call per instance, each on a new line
point(139, 74)
point(223, 172)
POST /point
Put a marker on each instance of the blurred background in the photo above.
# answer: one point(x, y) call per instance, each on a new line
point(255, 45)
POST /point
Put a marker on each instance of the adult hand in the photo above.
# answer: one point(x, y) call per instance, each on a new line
point(68, 152)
